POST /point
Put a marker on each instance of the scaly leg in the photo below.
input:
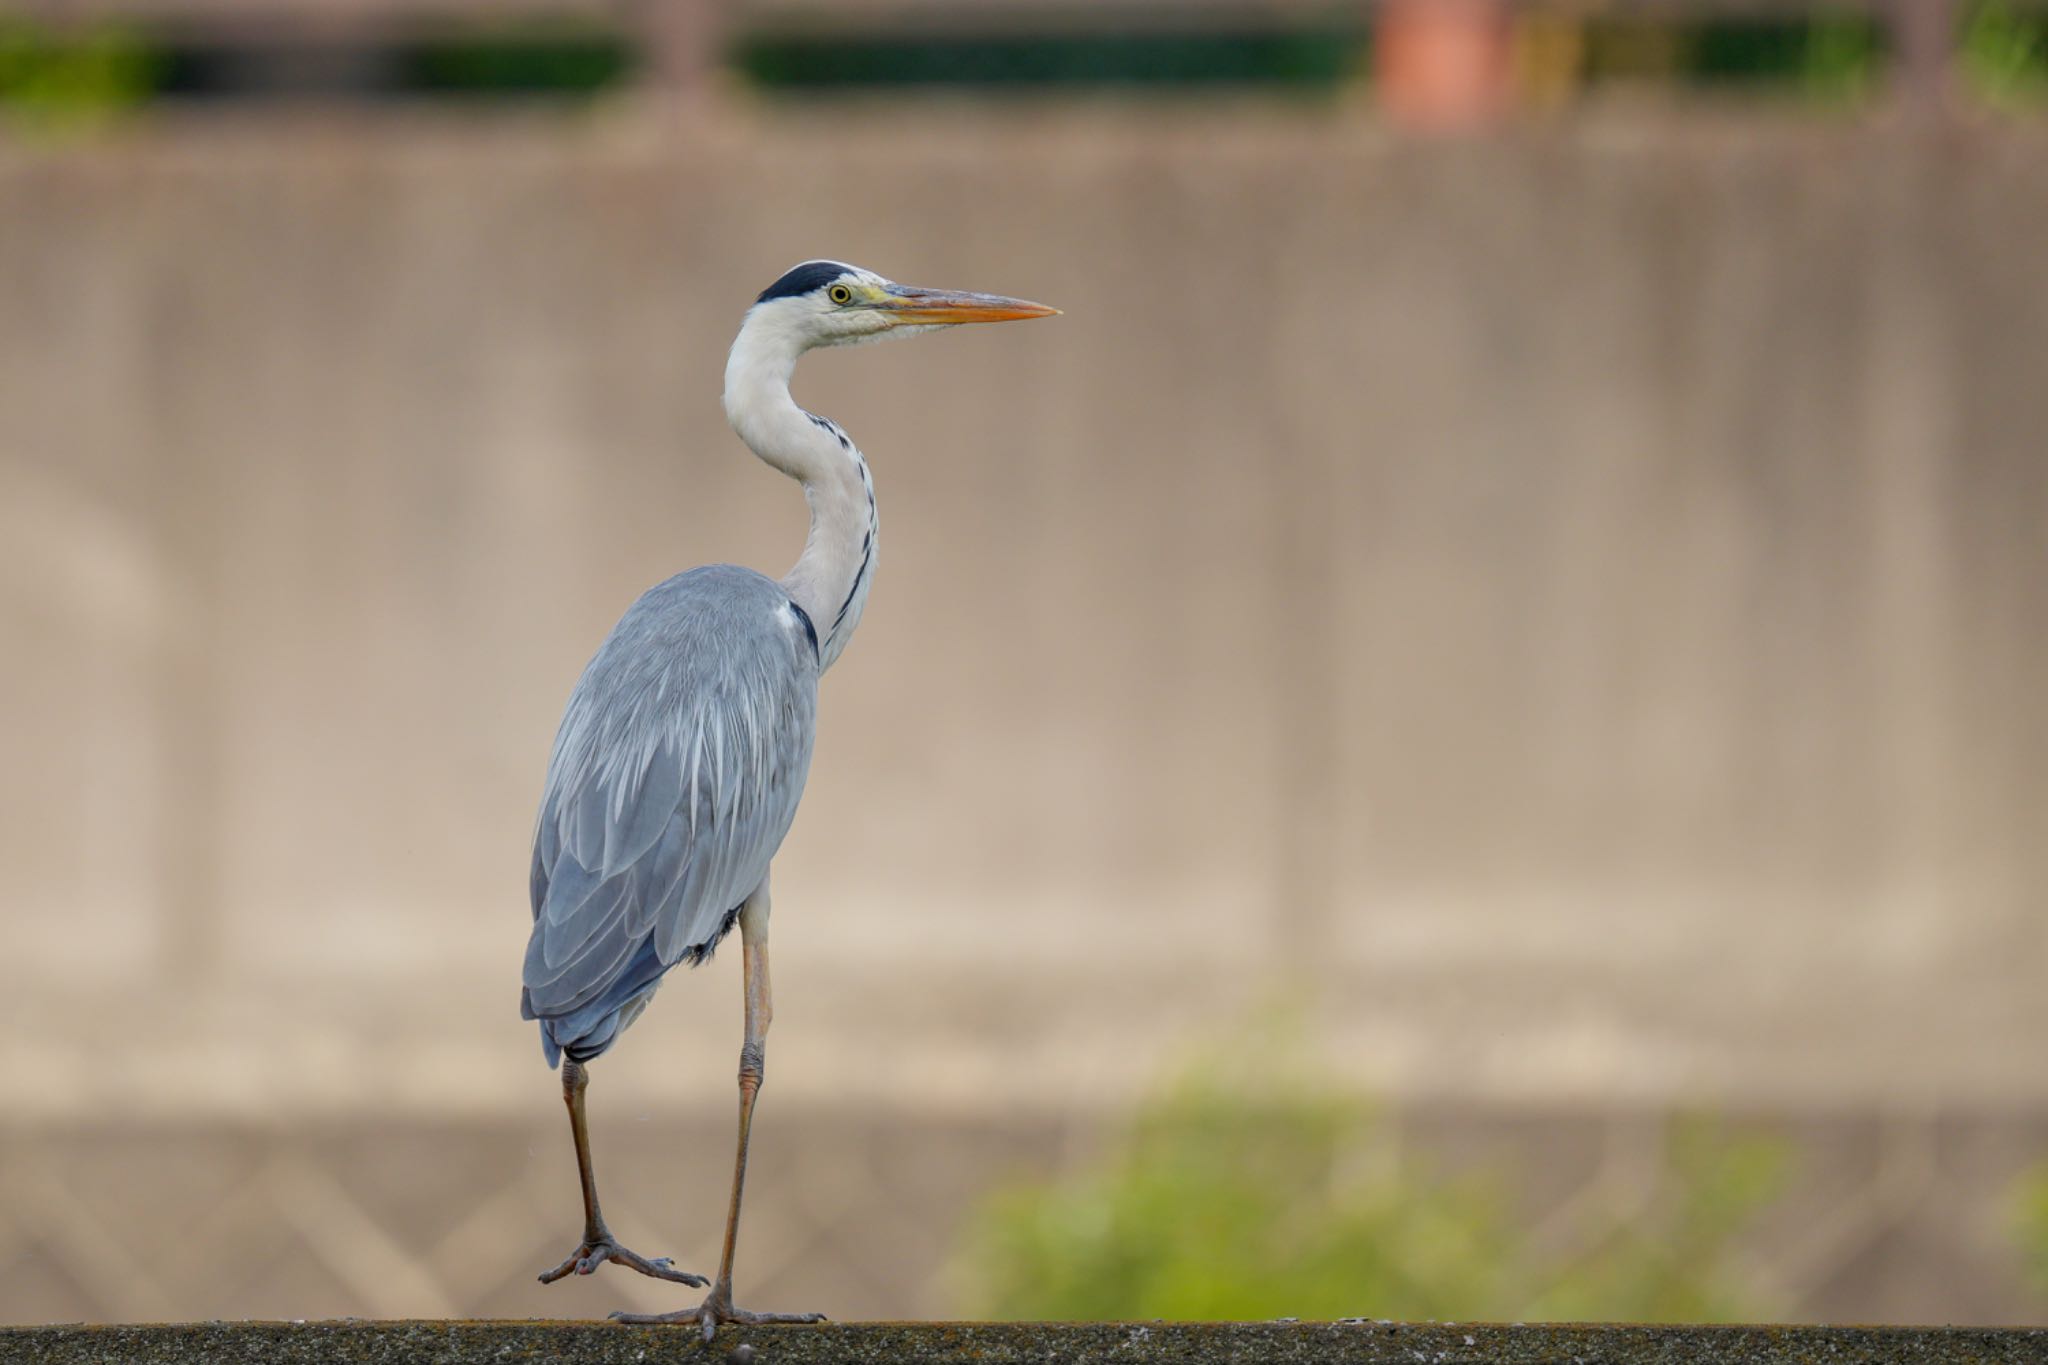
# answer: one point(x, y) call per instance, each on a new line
point(718, 1306)
point(599, 1245)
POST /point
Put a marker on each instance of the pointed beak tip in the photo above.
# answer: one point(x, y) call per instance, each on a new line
point(1020, 310)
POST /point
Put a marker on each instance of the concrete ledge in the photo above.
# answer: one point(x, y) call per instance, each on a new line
point(586, 1343)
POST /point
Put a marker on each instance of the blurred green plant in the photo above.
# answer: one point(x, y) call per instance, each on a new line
point(1250, 1187)
point(1676, 1263)
point(2004, 53)
point(1840, 58)
point(1315, 59)
point(66, 78)
point(532, 58)
point(1828, 56)
point(2032, 1227)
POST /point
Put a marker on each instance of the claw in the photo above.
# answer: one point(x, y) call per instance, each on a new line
point(595, 1251)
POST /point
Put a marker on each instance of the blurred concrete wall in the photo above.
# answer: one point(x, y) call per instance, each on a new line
point(1576, 602)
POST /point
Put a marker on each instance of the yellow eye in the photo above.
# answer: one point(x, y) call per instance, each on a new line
point(839, 293)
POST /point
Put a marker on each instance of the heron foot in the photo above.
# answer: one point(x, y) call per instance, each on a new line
point(715, 1309)
point(603, 1247)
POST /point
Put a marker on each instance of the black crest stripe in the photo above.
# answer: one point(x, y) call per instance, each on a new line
point(803, 279)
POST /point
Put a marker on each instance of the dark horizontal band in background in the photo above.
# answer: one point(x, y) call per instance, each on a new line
point(578, 55)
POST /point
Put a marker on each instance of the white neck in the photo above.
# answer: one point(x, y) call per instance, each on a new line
point(830, 578)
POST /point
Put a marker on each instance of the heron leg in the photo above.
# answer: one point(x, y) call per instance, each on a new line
point(599, 1245)
point(718, 1305)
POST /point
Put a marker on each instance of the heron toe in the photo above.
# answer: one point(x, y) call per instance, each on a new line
point(713, 1311)
point(595, 1251)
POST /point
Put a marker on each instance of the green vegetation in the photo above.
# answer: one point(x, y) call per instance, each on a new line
point(2032, 1225)
point(1829, 56)
point(1312, 59)
point(57, 79)
point(1249, 1188)
point(2004, 53)
point(1840, 58)
point(509, 59)
point(1833, 55)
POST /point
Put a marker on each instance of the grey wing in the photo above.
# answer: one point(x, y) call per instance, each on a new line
point(675, 776)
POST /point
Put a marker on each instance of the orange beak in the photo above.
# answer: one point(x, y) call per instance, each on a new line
point(908, 304)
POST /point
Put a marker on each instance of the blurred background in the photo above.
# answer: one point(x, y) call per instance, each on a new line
point(1463, 736)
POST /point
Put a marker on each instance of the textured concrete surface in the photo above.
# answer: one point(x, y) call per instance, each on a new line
point(1584, 614)
point(572, 1343)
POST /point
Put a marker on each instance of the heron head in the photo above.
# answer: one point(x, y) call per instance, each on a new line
point(830, 303)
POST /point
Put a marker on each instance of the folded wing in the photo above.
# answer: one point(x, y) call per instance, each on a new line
point(676, 774)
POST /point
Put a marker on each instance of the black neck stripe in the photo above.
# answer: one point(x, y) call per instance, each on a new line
point(810, 631)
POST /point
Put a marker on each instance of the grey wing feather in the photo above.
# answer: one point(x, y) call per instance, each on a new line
point(675, 775)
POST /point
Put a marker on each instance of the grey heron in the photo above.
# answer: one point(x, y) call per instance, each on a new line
point(684, 747)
